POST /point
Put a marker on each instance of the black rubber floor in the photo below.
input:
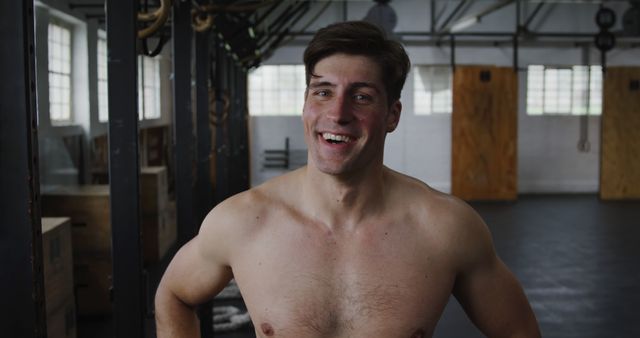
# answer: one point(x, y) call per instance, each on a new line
point(577, 257)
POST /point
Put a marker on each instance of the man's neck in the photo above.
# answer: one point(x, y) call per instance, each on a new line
point(343, 201)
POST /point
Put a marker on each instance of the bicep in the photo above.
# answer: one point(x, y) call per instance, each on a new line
point(495, 302)
point(196, 275)
point(489, 293)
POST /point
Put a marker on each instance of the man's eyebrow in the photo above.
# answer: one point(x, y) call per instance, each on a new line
point(321, 84)
point(357, 85)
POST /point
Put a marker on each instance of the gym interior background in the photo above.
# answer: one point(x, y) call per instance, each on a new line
point(124, 123)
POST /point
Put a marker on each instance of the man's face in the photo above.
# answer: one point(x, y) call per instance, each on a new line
point(347, 114)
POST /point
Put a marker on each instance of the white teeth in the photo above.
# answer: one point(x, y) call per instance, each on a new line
point(334, 137)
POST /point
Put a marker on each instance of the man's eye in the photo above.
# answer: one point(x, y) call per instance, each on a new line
point(362, 97)
point(322, 93)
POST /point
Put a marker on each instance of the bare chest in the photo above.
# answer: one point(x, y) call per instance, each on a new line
point(304, 285)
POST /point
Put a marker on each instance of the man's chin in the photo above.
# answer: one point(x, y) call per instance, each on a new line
point(328, 168)
point(342, 170)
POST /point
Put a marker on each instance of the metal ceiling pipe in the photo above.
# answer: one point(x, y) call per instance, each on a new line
point(452, 15)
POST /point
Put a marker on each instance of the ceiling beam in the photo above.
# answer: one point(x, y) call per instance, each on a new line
point(472, 19)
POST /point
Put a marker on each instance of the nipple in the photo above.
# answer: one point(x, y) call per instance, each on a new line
point(267, 329)
point(419, 333)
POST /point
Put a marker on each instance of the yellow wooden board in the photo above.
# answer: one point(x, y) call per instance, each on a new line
point(620, 140)
point(484, 133)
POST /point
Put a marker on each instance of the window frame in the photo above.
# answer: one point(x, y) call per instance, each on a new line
point(293, 95)
point(103, 82)
point(154, 87)
point(593, 85)
point(432, 102)
point(67, 26)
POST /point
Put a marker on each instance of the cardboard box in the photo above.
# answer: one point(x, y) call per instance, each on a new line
point(58, 277)
point(157, 214)
point(61, 323)
point(57, 261)
point(159, 233)
point(88, 208)
point(93, 285)
point(154, 191)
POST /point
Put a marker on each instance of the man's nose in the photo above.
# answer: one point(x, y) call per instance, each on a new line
point(341, 111)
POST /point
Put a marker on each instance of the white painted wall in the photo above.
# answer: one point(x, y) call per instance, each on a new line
point(548, 157)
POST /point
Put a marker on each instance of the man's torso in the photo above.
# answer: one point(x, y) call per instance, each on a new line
point(390, 276)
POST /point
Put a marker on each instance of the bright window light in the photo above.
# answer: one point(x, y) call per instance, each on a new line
point(103, 97)
point(432, 90)
point(575, 90)
point(148, 88)
point(277, 90)
point(59, 44)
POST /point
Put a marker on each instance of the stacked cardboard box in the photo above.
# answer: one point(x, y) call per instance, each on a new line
point(158, 219)
point(88, 208)
point(58, 277)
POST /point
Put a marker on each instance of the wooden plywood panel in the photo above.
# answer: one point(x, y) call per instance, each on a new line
point(484, 133)
point(620, 160)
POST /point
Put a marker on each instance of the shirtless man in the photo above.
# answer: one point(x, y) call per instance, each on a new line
point(346, 247)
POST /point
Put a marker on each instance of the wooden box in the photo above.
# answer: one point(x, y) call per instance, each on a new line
point(93, 285)
point(154, 191)
point(62, 322)
point(157, 214)
point(58, 277)
point(159, 233)
point(88, 208)
point(57, 261)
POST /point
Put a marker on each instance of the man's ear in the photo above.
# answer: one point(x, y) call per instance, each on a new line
point(393, 116)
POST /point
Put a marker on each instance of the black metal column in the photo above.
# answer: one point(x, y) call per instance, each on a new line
point(128, 299)
point(222, 140)
point(234, 174)
point(183, 137)
point(238, 132)
point(203, 183)
point(244, 109)
point(23, 311)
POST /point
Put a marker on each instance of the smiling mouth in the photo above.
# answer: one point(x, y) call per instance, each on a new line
point(336, 139)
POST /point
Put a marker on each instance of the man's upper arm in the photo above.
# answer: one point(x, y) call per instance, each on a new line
point(200, 269)
point(489, 293)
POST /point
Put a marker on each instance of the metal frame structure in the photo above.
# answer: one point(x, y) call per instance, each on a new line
point(204, 187)
point(128, 296)
point(222, 137)
point(203, 182)
point(23, 312)
point(183, 141)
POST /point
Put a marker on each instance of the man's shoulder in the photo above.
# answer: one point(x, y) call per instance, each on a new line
point(418, 194)
point(436, 210)
point(244, 208)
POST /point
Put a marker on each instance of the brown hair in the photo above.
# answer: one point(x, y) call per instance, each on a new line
point(361, 38)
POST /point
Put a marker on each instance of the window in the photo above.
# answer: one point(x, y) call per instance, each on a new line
point(432, 90)
point(575, 90)
point(103, 97)
point(277, 90)
point(148, 88)
point(59, 42)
